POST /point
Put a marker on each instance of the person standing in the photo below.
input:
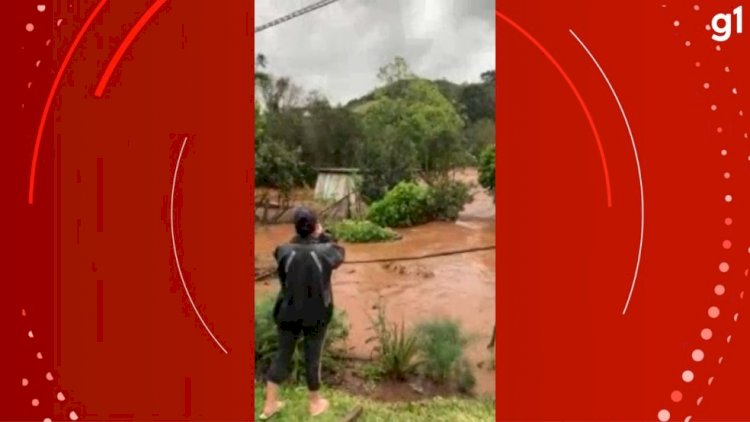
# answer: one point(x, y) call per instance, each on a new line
point(304, 307)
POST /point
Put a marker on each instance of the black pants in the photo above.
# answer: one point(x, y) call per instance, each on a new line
point(313, 341)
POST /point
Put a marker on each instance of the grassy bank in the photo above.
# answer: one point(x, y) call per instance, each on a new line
point(438, 409)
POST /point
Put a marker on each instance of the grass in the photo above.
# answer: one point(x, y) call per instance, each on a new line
point(437, 409)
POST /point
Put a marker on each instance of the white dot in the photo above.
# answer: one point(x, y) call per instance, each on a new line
point(39, 355)
point(30, 27)
point(706, 85)
point(688, 419)
point(35, 402)
point(47, 420)
point(41, 7)
point(714, 312)
point(60, 396)
point(687, 43)
point(719, 129)
point(73, 415)
point(24, 382)
point(721, 359)
point(710, 380)
point(664, 415)
point(688, 376)
point(734, 91)
point(47, 42)
point(719, 290)
point(745, 135)
point(699, 401)
point(713, 107)
point(697, 64)
point(736, 317)
point(742, 113)
point(708, 27)
point(696, 8)
point(724, 153)
point(727, 175)
point(726, 69)
point(49, 376)
point(728, 198)
point(718, 48)
point(698, 355)
point(38, 62)
point(31, 334)
point(23, 312)
point(59, 22)
point(676, 23)
point(729, 339)
point(706, 334)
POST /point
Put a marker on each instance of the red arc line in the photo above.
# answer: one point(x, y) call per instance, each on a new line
point(125, 44)
point(53, 90)
point(575, 92)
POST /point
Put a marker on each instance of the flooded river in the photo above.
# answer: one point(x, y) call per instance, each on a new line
point(460, 287)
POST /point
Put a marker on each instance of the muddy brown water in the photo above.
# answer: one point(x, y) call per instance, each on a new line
point(460, 287)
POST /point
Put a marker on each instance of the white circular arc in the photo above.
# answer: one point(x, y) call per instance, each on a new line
point(174, 249)
point(637, 162)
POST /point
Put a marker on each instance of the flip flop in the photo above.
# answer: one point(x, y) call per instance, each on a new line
point(323, 409)
point(264, 417)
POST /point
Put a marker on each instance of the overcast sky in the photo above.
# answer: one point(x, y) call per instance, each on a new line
point(338, 49)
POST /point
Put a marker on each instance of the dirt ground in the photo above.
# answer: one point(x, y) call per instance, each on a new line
point(460, 287)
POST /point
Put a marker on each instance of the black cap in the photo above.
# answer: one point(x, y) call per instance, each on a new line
point(305, 221)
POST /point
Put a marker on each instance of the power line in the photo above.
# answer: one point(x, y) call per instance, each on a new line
point(294, 14)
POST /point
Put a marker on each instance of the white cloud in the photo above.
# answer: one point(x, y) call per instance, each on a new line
point(339, 48)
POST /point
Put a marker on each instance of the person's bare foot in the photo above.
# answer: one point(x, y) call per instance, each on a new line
point(270, 409)
point(318, 406)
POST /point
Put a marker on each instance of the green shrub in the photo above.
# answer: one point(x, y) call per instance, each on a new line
point(396, 349)
point(442, 344)
point(266, 342)
point(362, 231)
point(410, 204)
point(465, 379)
point(446, 199)
point(487, 169)
point(403, 206)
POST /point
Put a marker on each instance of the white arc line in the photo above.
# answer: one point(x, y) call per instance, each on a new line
point(174, 249)
point(637, 162)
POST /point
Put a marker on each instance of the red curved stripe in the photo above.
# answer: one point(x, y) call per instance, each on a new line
point(577, 95)
point(125, 44)
point(53, 90)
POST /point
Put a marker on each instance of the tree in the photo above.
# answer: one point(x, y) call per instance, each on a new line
point(331, 134)
point(277, 168)
point(409, 132)
point(479, 135)
point(395, 71)
point(487, 169)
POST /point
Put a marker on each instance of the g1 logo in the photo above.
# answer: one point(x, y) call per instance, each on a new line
point(722, 24)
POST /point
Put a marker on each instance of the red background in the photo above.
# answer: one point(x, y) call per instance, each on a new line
point(91, 261)
point(566, 260)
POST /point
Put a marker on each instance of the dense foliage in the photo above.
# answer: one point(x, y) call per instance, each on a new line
point(487, 169)
point(410, 204)
point(362, 231)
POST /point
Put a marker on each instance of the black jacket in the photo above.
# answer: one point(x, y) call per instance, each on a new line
point(305, 267)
